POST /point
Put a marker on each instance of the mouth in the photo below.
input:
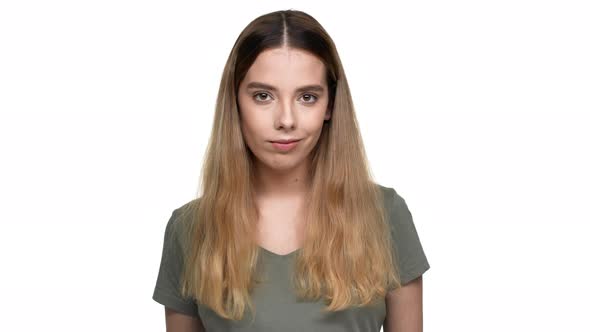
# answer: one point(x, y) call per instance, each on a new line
point(285, 141)
point(285, 145)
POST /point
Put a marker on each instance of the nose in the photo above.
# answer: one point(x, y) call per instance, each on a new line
point(286, 116)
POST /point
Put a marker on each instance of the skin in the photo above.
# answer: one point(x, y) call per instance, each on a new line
point(285, 113)
point(282, 110)
point(404, 308)
point(281, 177)
point(178, 322)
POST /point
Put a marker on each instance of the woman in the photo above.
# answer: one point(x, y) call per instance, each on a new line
point(290, 233)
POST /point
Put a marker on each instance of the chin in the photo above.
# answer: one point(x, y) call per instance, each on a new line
point(282, 165)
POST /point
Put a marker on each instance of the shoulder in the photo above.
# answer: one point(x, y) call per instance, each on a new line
point(181, 217)
point(186, 210)
point(396, 208)
point(391, 197)
point(407, 246)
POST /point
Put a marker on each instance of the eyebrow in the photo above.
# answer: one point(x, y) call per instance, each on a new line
point(311, 87)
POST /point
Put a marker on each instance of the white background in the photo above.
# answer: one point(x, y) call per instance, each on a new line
point(476, 112)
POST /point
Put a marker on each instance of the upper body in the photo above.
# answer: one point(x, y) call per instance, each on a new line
point(283, 82)
point(277, 309)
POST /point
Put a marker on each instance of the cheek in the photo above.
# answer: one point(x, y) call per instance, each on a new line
point(315, 121)
point(254, 122)
point(253, 127)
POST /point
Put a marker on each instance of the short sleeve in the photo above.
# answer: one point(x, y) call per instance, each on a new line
point(167, 290)
point(407, 247)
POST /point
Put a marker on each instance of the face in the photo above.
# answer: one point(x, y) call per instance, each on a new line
point(284, 95)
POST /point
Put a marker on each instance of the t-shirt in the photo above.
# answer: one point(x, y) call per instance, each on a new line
point(276, 307)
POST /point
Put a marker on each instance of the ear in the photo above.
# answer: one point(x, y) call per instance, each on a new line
point(328, 114)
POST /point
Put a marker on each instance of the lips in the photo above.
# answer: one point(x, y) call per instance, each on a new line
point(285, 141)
point(285, 147)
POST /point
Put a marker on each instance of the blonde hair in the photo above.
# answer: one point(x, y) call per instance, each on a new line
point(346, 257)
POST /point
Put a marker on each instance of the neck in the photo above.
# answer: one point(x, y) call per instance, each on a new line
point(282, 183)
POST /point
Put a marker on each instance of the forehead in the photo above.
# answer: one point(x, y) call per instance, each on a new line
point(286, 68)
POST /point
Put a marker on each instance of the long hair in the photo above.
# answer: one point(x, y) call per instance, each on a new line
point(346, 257)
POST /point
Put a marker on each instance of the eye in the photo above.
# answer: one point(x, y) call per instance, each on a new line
point(263, 94)
point(310, 96)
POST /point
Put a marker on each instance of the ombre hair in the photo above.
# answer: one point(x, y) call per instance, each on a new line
point(346, 258)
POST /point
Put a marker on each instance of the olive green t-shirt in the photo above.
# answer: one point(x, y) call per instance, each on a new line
point(276, 308)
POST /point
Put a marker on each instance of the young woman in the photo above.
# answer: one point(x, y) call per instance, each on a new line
point(290, 233)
